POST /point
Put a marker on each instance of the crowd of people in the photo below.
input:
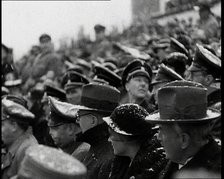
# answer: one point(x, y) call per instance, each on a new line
point(144, 103)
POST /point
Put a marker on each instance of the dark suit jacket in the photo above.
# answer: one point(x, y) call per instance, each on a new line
point(208, 158)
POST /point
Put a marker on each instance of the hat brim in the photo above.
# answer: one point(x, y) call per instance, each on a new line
point(114, 127)
point(155, 118)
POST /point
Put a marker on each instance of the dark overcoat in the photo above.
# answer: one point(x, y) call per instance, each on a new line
point(100, 152)
point(148, 162)
point(208, 158)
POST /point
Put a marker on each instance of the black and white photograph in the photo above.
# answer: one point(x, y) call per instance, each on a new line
point(111, 89)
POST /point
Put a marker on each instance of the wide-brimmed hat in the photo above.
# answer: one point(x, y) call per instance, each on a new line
point(136, 68)
point(182, 102)
point(46, 162)
point(204, 60)
point(129, 120)
point(99, 97)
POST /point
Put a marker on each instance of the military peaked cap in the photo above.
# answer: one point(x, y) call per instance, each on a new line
point(204, 60)
point(61, 112)
point(109, 76)
point(177, 46)
point(136, 68)
point(165, 74)
point(11, 109)
point(46, 162)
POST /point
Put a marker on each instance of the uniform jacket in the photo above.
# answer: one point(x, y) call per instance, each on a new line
point(100, 151)
point(208, 158)
point(148, 162)
point(15, 154)
point(47, 61)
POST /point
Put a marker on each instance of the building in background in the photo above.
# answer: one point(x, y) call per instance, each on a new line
point(165, 10)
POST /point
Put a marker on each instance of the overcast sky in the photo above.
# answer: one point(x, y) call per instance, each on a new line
point(24, 21)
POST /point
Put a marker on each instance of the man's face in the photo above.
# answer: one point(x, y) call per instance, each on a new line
point(46, 46)
point(62, 134)
point(170, 140)
point(196, 76)
point(138, 86)
point(7, 132)
point(73, 95)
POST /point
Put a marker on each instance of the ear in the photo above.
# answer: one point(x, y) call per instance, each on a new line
point(14, 126)
point(73, 129)
point(185, 140)
point(127, 86)
point(209, 79)
point(94, 120)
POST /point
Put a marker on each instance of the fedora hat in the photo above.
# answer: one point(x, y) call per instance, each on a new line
point(99, 97)
point(46, 162)
point(182, 102)
point(129, 119)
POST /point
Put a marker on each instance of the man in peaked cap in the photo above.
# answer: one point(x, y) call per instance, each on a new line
point(97, 101)
point(85, 66)
point(176, 46)
point(16, 136)
point(73, 86)
point(208, 23)
point(136, 79)
point(45, 162)
point(109, 76)
point(177, 61)
point(163, 76)
point(55, 92)
point(64, 128)
point(205, 69)
point(184, 128)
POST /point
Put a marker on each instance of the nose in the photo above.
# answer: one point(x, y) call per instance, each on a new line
point(158, 136)
point(109, 139)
